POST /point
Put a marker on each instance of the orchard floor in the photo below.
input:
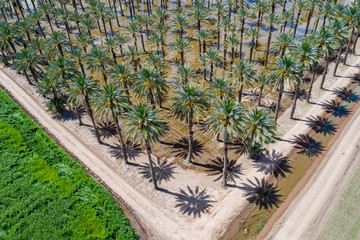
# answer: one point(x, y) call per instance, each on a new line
point(181, 210)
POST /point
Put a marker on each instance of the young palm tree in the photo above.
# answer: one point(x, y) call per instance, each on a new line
point(211, 58)
point(180, 45)
point(82, 89)
point(258, 127)
point(110, 102)
point(286, 69)
point(150, 85)
point(123, 75)
point(27, 61)
point(243, 72)
point(97, 60)
point(263, 79)
point(189, 103)
point(326, 42)
point(226, 117)
point(145, 125)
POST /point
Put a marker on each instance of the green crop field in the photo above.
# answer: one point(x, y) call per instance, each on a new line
point(44, 193)
point(344, 222)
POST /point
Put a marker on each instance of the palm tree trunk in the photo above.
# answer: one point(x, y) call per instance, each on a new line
point(121, 139)
point(60, 50)
point(81, 67)
point(90, 112)
point(241, 37)
point(211, 71)
point(279, 100)
point(356, 39)
point(111, 28)
point(268, 46)
point(34, 74)
point(78, 115)
point(324, 75)
point(311, 86)
point(103, 73)
point(143, 43)
point(116, 14)
point(182, 58)
point(153, 178)
point(337, 60)
point(28, 78)
point(218, 30)
point(241, 80)
point(260, 94)
point(113, 55)
point(308, 21)
point(104, 25)
point(295, 99)
point(349, 43)
point(297, 22)
point(225, 168)
point(232, 55)
point(251, 49)
point(191, 136)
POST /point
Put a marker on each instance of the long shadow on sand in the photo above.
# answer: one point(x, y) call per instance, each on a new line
point(322, 125)
point(273, 162)
point(163, 170)
point(308, 145)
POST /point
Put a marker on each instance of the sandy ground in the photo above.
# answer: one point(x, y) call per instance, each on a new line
point(156, 211)
point(308, 213)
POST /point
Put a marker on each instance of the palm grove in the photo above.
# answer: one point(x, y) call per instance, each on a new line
point(120, 60)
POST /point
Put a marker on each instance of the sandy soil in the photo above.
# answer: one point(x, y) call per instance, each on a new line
point(308, 213)
point(157, 211)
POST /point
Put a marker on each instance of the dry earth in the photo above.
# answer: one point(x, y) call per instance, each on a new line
point(157, 211)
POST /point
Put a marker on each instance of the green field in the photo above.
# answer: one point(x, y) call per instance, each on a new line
point(44, 193)
point(344, 222)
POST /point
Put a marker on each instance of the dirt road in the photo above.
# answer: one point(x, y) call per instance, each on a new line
point(308, 213)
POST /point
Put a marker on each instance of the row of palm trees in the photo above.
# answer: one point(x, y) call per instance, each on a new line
point(60, 48)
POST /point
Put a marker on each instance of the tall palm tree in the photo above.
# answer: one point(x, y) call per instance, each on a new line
point(123, 75)
point(242, 14)
point(220, 89)
point(226, 117)
point(243, 72)
point(145, 125)
point(220, 8)
point(326, 42)
point(180, 45)
point(189, 103)
point(226, 24)
point(62, 69)
point(284, 41)
point(263, 79)
point(150, 85)
point(286, 69)
point(258, 127)
point(110, 102)
point(87, 23)
point(198, 15)
point(47, 11)
point(341, 30)
point(233, 41)
point(211, 58)
point(82, 89)
point(133, 55)
point(252, 33)
point(184, 74)
point(311, 7)
point(180, 23)
point(352, 16)
point(82, 41)
point(271, 19)
point(78, 56)
point(64, 15)
point(58, 40)
point(7, 37)
point(111, 45)
point(121, 39)
point(155, 61)
point(299, 5)
point(97, 60)
point(28, 61)
point(133, 28)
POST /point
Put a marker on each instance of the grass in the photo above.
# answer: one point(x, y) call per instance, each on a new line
point(344, 222)
point(257, 218)
point(44, 193)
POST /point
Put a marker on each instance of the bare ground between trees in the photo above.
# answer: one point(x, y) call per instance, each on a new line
point(191, 205)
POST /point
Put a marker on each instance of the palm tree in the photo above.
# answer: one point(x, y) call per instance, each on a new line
point(111, 45)
point(263, 79)
point(133, 29)
point(242, 14)
point(199, 14)
point(226, 24)
point(25, 28)
point(271, 19)
point(284, 41)
point(7, 37)
point(121, 39)
point(341, 31)
point(326, 42)
point(82, 41)
point(180, 22)
point(87, 23)
point(27, 60)
point(243, 72)
point(180, 45)
point(185, 74)
point(233, 41)
point(122, 74)
point(352, 16)
point(133, 55)
point(52, 89)
point(82, 88)
point(155, 61)
point(211, 58)
point(63, 15)
point(252, 33)
point(77, 55)
point(311, 7)
point(47, 11)
point(150, 85)
point(110, 102)
point(97, 60)
point(226, 117)
point(285, 17)
point(220, 8)
point(144, 124)
point(299, 5)
point(258, 127)
point(189, 103)
point(58, 40)
point(286, 69)
point(62, 69)
point(220, 89)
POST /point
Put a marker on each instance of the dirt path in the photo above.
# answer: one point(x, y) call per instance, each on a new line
point(306, 216)
point(155, 210)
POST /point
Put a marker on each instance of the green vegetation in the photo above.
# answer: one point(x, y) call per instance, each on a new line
point(44, 193)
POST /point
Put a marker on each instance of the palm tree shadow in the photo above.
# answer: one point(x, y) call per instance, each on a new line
point(356, 78)
point(346, 95)
point(308, 145)
point(321, 125)
point(107, 129)
point(181, 147)
point(262, 193)
point(163, 171)
point(336, 109)
point(273, 163)
point(215, 168)
point(68, 115)
point(133, 150)
point(193, 202)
